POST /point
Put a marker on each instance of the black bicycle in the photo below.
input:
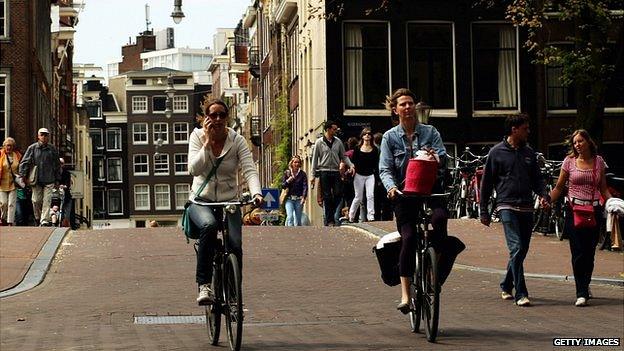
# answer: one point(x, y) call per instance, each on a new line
point(226, 280)
point(425, 285)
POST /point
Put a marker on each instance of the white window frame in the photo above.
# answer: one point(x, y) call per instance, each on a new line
point(147, 194)
point(180, 104)
point(108, 160)
point(119, 135)
point(135, 164)
point(139, 104)
point(101, 173)
point(159, 112)
point(108, 197)
point(136, 133)
point(157, 193)
point(165, 133)
point(179, 205)
point(495, 113)
point(175, 164)
point(6, 21)
point(6, 131)
point(102, 141)
point(185, 133)
point(99, 115)
point(157, 163)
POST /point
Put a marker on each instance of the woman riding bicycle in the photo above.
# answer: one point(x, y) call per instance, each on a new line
point(398, 145)
point(216, 152)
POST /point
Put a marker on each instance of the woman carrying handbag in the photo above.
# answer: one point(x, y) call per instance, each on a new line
point(584, 172)
point(9, 169)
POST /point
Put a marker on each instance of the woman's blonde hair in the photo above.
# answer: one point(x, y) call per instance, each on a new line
point(295, 157)
point(8, 140)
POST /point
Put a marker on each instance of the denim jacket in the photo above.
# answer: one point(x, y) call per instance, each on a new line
point(395, 152)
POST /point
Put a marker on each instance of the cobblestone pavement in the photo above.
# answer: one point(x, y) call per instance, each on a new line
point(305, 288)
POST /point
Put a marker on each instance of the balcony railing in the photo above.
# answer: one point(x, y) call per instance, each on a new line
point(254, 61)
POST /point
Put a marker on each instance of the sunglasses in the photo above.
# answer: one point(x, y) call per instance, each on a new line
point(214, 115)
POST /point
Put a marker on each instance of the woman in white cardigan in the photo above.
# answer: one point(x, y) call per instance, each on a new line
point(217, 145)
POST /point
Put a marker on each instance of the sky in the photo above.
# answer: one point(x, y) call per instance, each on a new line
point(104, 26)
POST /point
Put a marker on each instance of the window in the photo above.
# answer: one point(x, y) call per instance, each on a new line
point(113, 139)
point(161, 131)
point(159, 104)
point(115, 202)
point(141, 165)
point(180, 133)
point(4, 102)
point(494, 67)
point(180, 80)
point(180, 103)
point(99, 169)
point(181, 195)
point(161, 197)
point(139, 82)
point(430, 56)
point(94, 109)
point(139, 133)
point(99, 205)
point(139, 104)
point(96, 138)
point(366, 64)
point(141, 197)
point(4, 24)
point(161, 164)
point(180, 164)
point(114, 169)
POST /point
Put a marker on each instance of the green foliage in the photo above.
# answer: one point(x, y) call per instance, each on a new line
point(282, 131)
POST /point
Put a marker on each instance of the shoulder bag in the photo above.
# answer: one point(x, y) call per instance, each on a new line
point(186, 220)
point(285, 191)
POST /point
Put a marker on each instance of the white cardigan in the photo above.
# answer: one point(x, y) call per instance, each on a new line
point(223, 185)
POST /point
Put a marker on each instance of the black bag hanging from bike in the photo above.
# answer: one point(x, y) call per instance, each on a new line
point(186, 220)
point(387, 251)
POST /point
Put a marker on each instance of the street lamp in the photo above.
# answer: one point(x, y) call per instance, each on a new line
point(423, 111)
point(170, 91)
point(177, 13)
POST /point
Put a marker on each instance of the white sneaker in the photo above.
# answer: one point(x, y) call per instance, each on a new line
point(506, 296)
point(206, 296)
point(524, 301)
point(580, 302)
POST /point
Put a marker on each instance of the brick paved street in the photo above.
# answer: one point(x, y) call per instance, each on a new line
point(308, 288)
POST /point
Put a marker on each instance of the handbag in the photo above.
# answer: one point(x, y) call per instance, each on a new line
point(186, 219)
point(284, 192)
point(17, 179)
point(584, 216)
point(32, 175)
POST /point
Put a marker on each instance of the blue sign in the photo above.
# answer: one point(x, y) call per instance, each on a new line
point(271, 198)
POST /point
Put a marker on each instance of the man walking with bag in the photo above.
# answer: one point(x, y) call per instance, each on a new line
point(41, 169)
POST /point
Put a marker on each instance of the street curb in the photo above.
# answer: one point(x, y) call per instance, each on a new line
point(39, 267)
point(599, 280)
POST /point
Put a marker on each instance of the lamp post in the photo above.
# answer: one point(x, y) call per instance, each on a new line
point(423, 111)
point(170, 91)
point(177, 13)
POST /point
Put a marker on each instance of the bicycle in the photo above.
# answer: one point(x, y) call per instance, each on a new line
point(226, 280)
point(424, 285)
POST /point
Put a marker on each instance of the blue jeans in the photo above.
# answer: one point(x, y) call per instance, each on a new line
point(208, 221)
point(294, 208)
point(518, 230)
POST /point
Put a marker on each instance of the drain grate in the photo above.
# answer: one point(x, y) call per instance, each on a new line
point(170, 320)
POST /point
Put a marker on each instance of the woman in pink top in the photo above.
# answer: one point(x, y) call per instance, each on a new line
point(584, 172)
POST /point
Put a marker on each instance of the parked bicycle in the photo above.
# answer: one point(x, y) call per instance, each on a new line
point(226, 279)
point(465, 196)
point(549, 220)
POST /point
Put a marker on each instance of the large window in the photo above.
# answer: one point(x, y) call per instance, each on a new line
point(161, 130)
point(494, 64)
point(4, 97)
point(159, 104)
point(99, 168)
point(139, 133)
point(141, 165)
point(94, 109)
point(96, 138)
point(139, 104)
point(113, 139)
point(180, 133)
point(161, 197)
point(4, 24)
point(161, 164)
point(180, 163)
point(366, 68)
point(115, 202)
point(430, 55)
point(114, 169)
point(141, 197)
point(180, 103)
point(99, 203)
point(181, 195)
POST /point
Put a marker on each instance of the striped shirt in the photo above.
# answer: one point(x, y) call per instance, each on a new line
point(583, 183)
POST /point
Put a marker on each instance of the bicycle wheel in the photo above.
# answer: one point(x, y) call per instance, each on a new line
point(213, 311)
point(431, 294)
point(415, 314)
point(233, 302)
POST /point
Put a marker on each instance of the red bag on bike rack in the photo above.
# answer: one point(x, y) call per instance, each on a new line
point(387, 251)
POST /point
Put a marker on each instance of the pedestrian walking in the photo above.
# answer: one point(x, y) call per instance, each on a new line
point(366, 161)
point(398, 145)
point(9, 170)
point(583, 170)
point(512, 169)
point(383, 206)
point(296, 181)
point(326, 157)
point(68, 203)
point(348, 192)
point(41, 169)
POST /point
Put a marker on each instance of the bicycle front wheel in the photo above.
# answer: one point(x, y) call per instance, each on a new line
point(415, 314)
point(233, 302)
point(213, 311)
point(431, 293)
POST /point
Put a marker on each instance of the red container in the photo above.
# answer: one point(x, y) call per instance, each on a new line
point(420, 176)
